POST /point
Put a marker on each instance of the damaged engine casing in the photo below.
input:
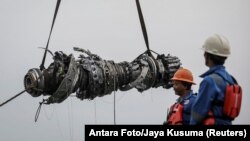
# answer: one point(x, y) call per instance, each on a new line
point(91, 76)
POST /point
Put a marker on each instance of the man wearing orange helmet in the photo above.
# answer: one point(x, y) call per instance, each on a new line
point(180, 111)
point(209, 107)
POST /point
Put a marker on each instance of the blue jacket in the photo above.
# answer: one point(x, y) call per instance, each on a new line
point(187, 102)
point(210, 93)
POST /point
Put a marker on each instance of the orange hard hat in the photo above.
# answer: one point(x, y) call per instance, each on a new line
point(183, 74)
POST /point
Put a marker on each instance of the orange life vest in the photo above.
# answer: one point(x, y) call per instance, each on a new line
point(231, 105)
point(210, 119)
point(175, 115)
point(232, 102)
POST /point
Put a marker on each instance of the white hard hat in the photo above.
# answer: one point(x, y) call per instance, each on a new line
point(217, 45)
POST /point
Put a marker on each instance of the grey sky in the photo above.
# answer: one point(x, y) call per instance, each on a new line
point(111, 29)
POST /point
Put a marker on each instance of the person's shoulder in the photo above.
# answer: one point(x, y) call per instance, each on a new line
point(208, 79)
point(193, 96)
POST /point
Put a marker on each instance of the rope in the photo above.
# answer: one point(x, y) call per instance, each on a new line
point(114, 110)
point(47, 45)
point(14, 97)
point(114, 101)
point(49, 117)
point(70, 118)
point(95, 111)
point(58, 125)
point(143, 26)
point(39, 109)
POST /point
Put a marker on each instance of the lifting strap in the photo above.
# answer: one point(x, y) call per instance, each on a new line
point(47, 45)
point(143, 27)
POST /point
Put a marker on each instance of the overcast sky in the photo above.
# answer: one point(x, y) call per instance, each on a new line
point(111, 29)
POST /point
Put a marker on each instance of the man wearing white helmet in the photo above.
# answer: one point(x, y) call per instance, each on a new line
point(208, 108)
